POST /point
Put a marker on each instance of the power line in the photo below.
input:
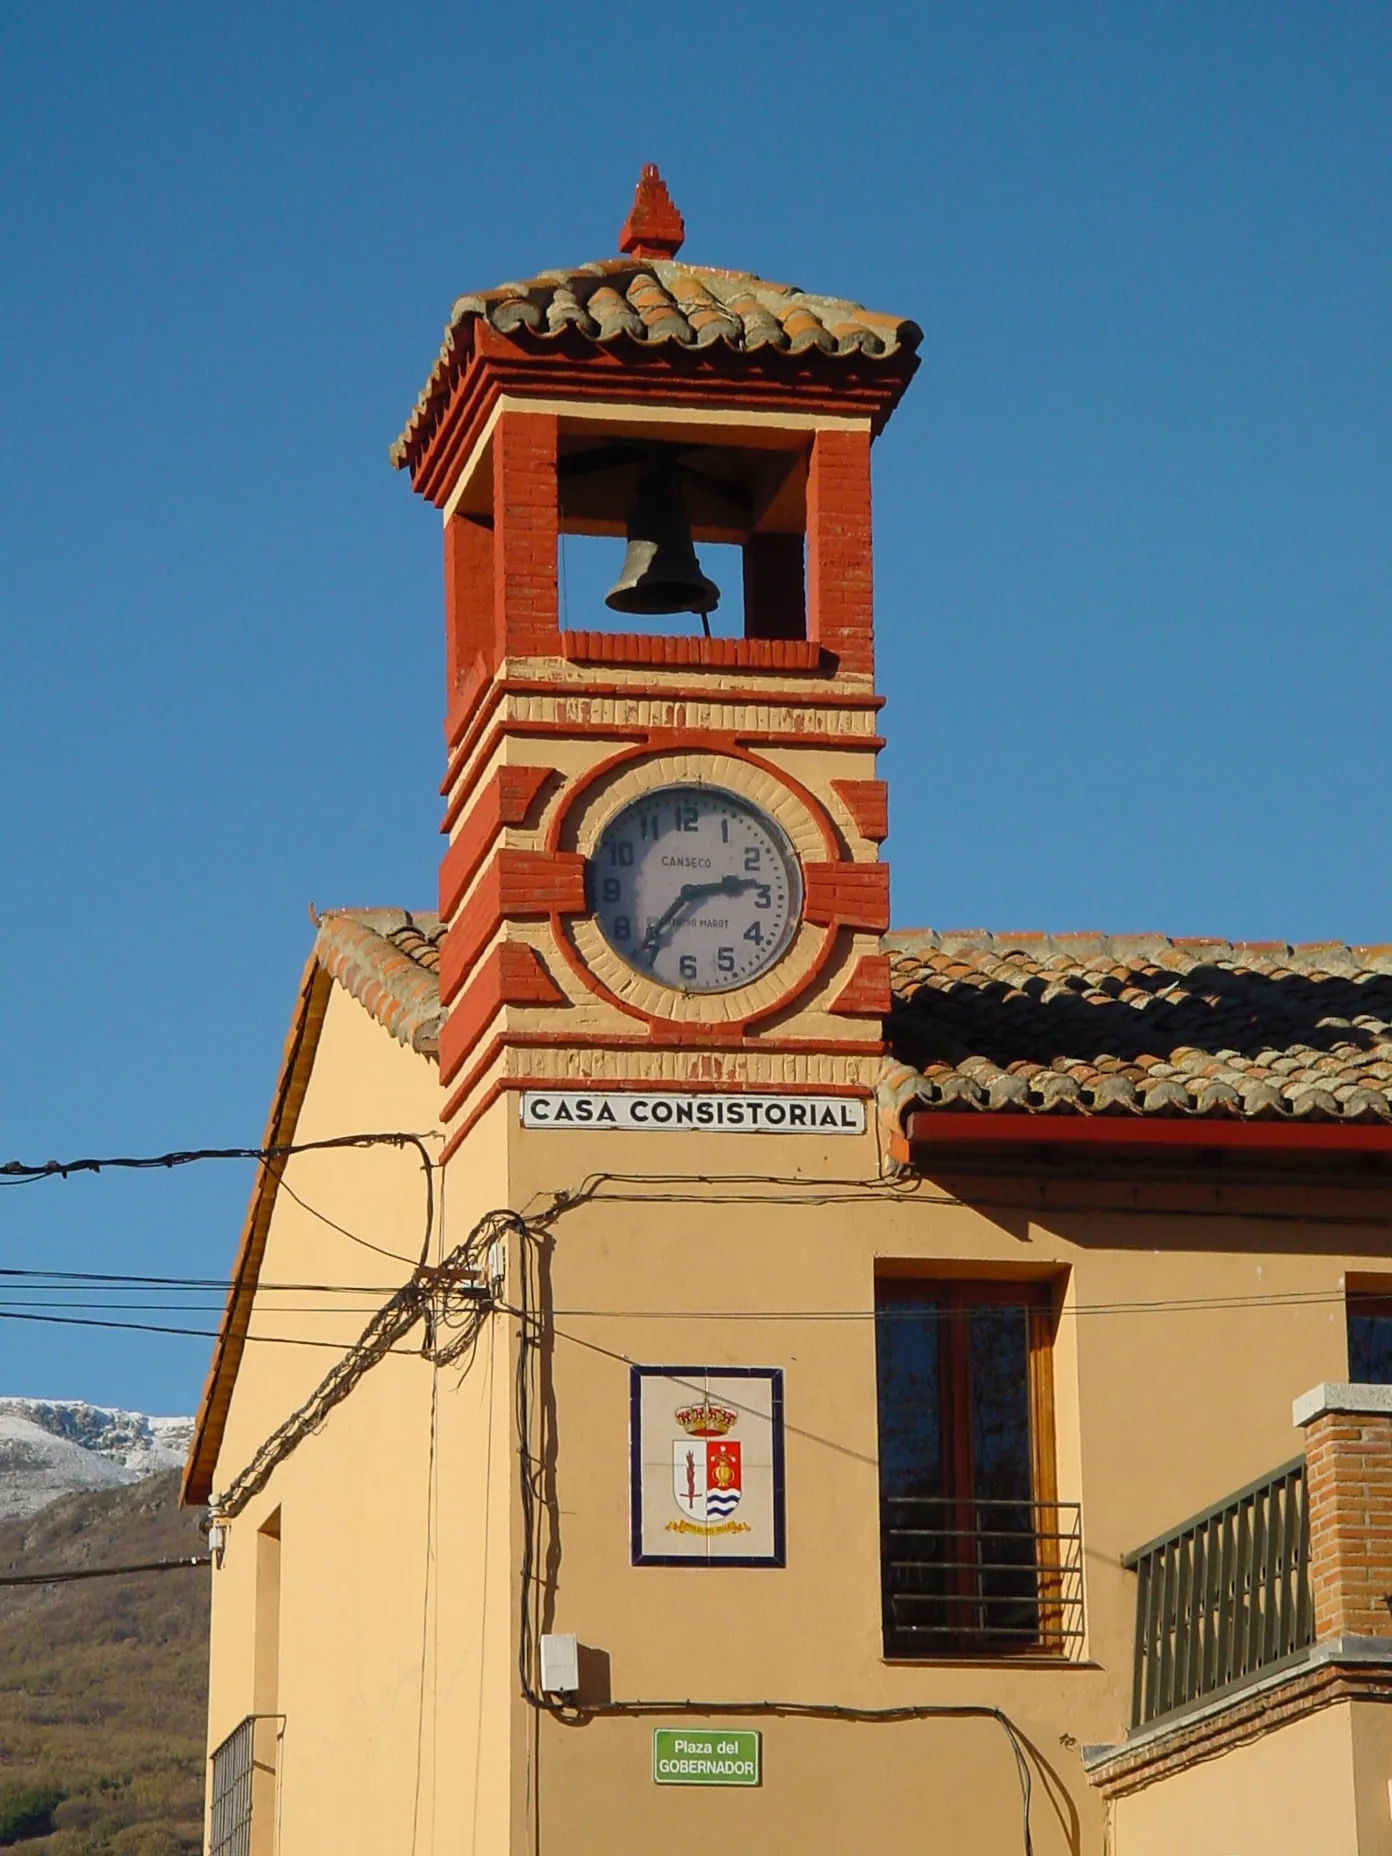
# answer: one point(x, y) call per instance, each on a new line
point(149, 1327)
point(776, 1189)
point(12, 1170)
point(100, 1572)
point(17, 1172)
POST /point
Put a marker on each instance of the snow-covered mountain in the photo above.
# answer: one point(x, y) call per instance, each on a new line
point(50, 1447)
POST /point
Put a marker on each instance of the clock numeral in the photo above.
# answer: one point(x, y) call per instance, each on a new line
point(763, 896)
point(687, 966)
point(752, 857)
point(724, 831)
point(610, 889)
point(725, 959)
point(650, 826)
point(688, 817)
point(623, 928)
point(754, 932)
point(620, 851)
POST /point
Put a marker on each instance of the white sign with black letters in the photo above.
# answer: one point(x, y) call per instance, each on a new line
point(673, 1111)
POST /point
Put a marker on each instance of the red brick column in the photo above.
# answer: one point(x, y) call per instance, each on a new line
point(1348, 1486)
point(525, 535)
point(469, 606)
point(840, 581)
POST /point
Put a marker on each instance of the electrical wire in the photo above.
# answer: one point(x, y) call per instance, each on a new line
point(69, 1577)
point(150, 1327)
point(794, 1189)
point(342, 1229)
point(16, 1172)
point(81, 1279)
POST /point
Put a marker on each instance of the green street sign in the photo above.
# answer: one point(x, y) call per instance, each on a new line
point(705, 1756)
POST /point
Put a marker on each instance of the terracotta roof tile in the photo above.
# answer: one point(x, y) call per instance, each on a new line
point(389, 960)
point(1042, 1025)
point(1139, 1024)
point(655, 300)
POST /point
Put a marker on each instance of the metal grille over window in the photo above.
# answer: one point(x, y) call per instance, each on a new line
point(233, 1766)
point(1224, 1597)
point(977, 1556)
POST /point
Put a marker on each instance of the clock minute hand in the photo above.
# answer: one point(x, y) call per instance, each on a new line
point(692, 892)
point(687, 893)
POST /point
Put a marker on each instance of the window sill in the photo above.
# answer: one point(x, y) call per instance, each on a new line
point(994, 1659)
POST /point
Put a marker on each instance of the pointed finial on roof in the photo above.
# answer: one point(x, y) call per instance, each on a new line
point(654, 228)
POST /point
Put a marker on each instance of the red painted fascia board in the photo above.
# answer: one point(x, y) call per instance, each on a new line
point(951, 1128)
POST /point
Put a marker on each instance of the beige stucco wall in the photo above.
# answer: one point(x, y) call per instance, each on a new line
point(366, 1499)
point(1290, 1793)
point(1177, 1356)
point(1161, 1408)
point(1372, 1777)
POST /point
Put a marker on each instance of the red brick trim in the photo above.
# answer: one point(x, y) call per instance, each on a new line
point(505, 800)
point(1251, 1716)
point(516, 885)
point(473, 687)
point(867, 993)
point(736, 1046)
point(513, 974)
point(867, 801)
point(707, 653)
point(847, 895)
point(487, 365)
point(463, 749)
point(660, 741)
point(507, 1085)
point(839, 571)
point(526, 530)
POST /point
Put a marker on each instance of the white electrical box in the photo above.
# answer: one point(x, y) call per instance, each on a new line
point(560, 1664)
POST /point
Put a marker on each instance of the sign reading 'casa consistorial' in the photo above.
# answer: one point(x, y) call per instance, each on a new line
point(668, 1111)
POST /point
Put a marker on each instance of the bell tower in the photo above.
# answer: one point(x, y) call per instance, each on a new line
point(662, 869)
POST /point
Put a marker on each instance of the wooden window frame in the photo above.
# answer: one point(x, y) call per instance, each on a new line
point(959, 1297)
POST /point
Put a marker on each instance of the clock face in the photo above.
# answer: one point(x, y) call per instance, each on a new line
point(695, 887)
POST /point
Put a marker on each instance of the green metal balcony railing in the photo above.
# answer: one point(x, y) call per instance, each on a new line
point(1224, 1597)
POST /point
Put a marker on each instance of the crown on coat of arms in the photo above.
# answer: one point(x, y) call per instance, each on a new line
point(706, 1420)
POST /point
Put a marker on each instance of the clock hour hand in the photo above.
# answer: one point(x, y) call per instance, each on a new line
point(692, 892)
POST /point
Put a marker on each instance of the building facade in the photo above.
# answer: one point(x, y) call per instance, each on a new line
point(702, 1366)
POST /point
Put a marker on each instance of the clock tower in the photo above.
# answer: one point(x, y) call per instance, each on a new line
point(663, 868)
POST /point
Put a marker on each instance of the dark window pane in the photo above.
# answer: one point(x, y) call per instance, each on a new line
point(910, 1391)
point(1370, 1341)
point(1002, 1475)
point(1001, 1459)
point(909, 1341)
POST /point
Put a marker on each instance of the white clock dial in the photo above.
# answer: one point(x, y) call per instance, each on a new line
point(695, 887)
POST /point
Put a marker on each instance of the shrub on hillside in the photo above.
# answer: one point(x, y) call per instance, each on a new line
point(27, 1811)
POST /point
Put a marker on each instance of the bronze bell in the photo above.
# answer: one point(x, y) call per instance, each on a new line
point(660, 570)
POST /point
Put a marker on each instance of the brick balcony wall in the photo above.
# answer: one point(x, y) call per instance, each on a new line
point(1348, 1475)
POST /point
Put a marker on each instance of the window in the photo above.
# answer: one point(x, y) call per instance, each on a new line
point(970, 1531)
point(1369, 1310)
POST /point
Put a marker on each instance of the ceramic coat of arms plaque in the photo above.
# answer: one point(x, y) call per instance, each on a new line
point(706, 1455)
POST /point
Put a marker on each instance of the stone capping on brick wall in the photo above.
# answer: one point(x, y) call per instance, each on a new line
point(1338, 1397)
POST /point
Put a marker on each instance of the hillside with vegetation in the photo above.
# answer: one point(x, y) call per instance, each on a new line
point(103, 1683)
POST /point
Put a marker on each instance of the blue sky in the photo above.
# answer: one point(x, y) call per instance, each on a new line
point(1134, 547)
